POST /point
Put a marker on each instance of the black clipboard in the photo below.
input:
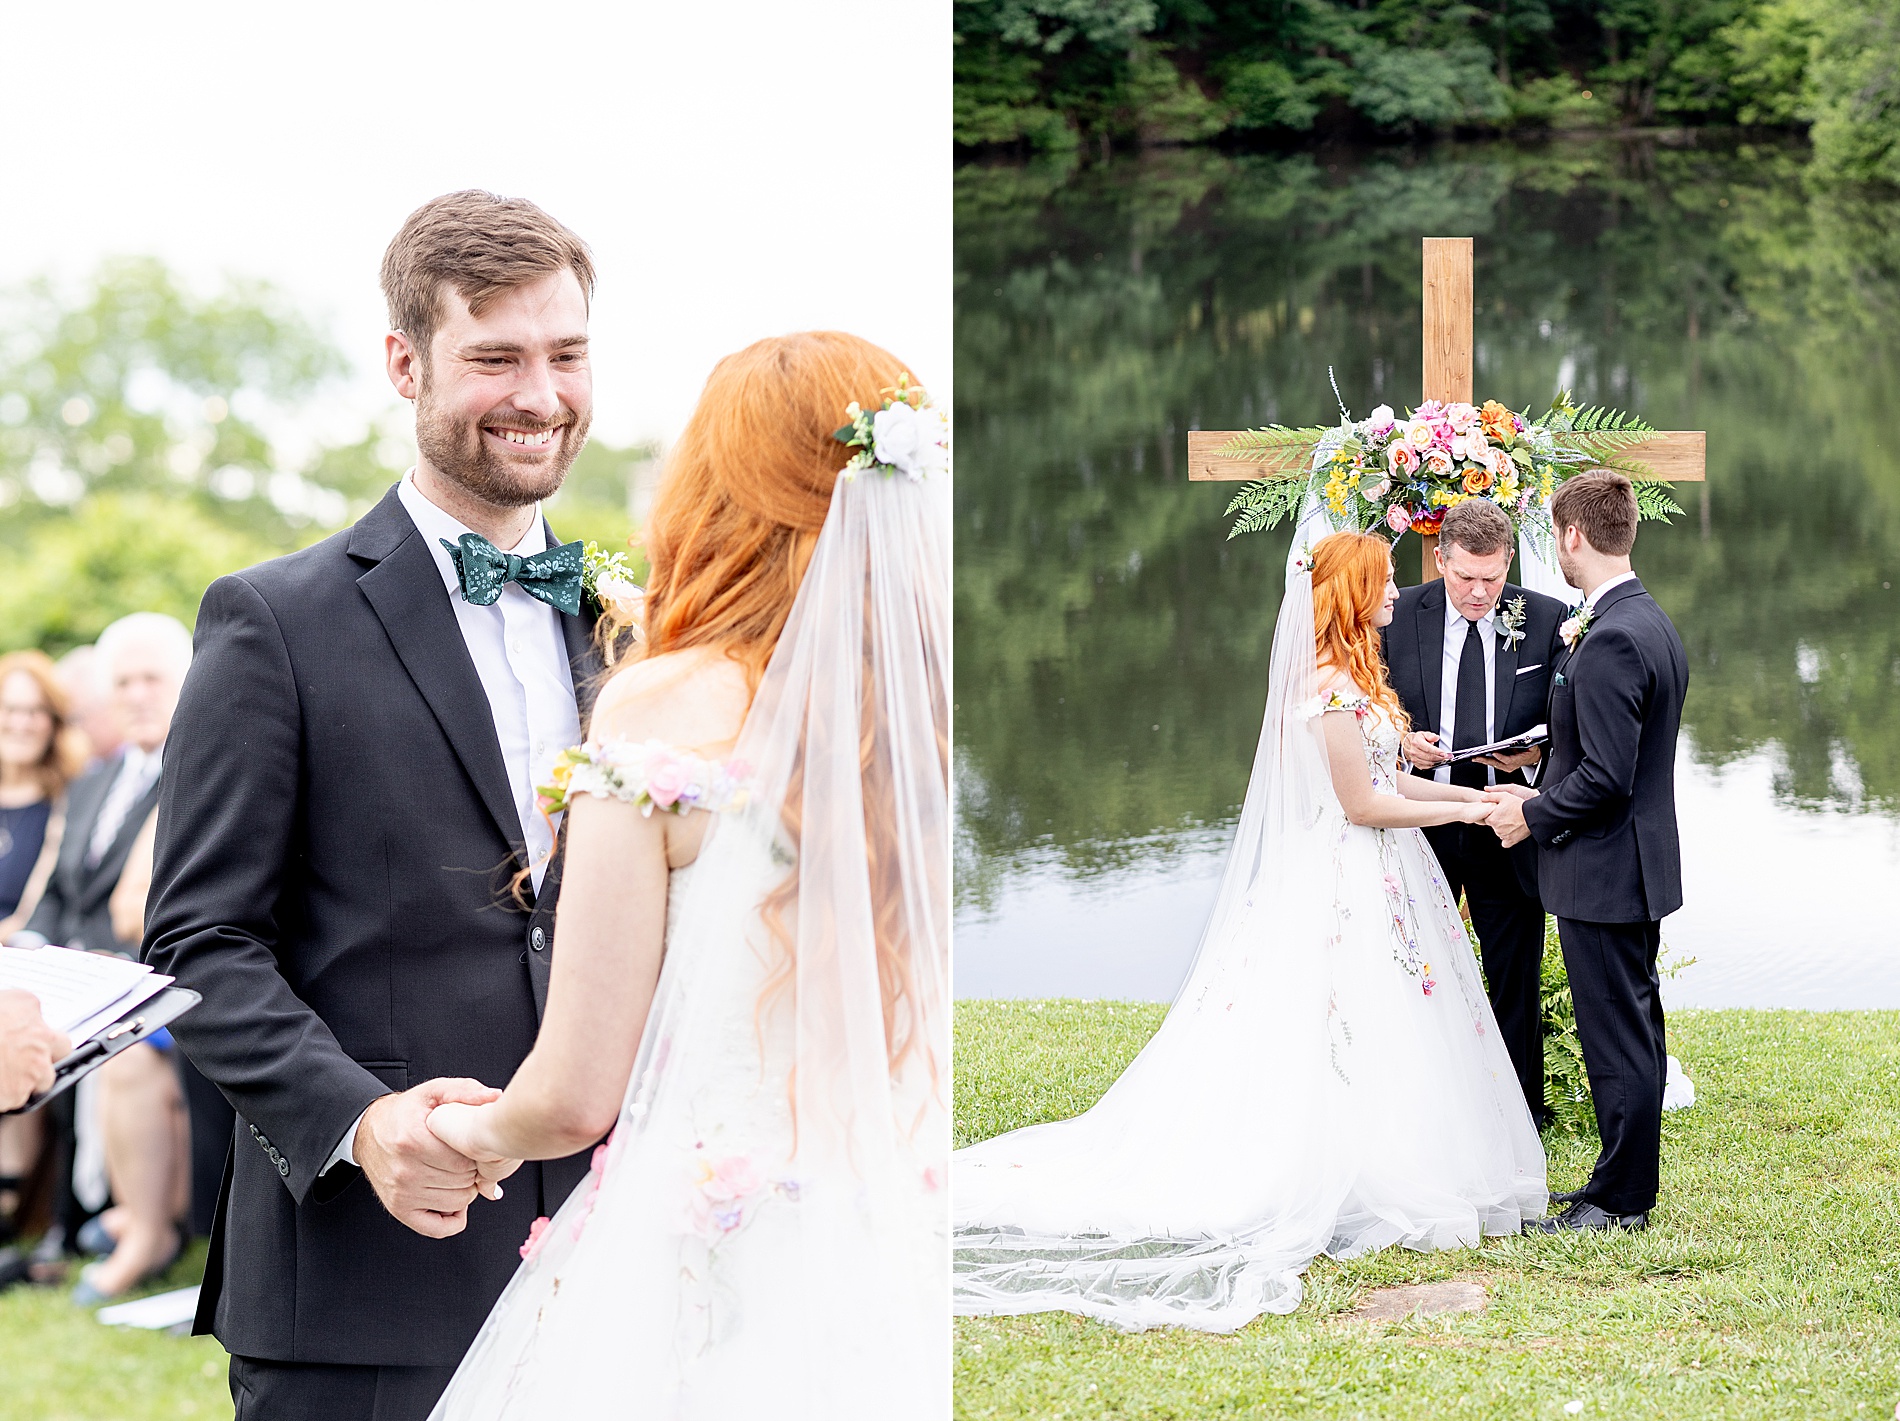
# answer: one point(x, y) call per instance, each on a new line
point(1537, 735)
point(135, 1026)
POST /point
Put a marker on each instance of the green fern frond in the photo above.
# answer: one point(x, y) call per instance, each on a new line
point(1655, 500)
point(1264, 504)
point(1274, 439)
point(1609, 421)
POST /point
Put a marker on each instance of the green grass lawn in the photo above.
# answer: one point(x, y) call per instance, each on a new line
point(1768, 1283)
point(57, 1363)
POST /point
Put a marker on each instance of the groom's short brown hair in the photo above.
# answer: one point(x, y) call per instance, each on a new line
point(481, 245)
point(1603, 505)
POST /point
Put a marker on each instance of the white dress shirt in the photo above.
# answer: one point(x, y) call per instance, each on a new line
point(1455, 625)
point(138, 772)
point(521, 658)
point(1617, 581)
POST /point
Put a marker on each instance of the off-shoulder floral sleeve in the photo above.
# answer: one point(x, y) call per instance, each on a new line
point(1334, 700)
point(650, 774)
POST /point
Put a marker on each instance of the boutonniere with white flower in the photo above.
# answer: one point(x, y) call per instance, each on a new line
point(906, 435)
point(608, 579)
point(1511, 621)
point(1576, 626)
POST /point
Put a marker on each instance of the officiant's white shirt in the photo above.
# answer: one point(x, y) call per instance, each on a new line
point(521, 658)
point(1448, 681)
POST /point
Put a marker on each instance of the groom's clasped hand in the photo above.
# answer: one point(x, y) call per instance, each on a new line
point(1506, 814)
point(425, 1183)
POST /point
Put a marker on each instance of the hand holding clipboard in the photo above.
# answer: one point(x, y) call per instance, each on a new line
point(28, 1049)
point(51, 998)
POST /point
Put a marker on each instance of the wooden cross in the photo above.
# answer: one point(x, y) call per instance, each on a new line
point(1677, 456)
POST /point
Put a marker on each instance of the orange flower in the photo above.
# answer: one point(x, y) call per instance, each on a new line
point(1477, 480)
point(1496, 420)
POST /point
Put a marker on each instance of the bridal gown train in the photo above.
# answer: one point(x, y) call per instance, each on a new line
point(1330, 1080)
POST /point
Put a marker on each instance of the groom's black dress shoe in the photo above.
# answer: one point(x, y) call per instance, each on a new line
point(1568, 1196)
point(1580, 1216)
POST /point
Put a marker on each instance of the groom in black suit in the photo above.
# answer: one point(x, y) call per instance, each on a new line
point(1470, 657)
point(350, 864)
point(1609, 861)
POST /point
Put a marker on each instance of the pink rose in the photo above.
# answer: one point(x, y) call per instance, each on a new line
point(1397, 519)
point(1403, 458)
point(537, 1235)
point(1439, 462)
point(733, 1177)
point(666, 781)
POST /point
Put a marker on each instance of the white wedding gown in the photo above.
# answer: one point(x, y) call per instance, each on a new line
point(766, 1233)
point(1330, 1080)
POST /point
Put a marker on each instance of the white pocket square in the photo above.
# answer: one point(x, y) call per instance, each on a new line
point(1534, 666)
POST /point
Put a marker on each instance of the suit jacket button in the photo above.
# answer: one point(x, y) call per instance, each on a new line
point(537, 939)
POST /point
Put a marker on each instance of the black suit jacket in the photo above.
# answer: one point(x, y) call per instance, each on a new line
point(75, 909)
point(1414, 647)
point(1605, 823)
point(336, 838)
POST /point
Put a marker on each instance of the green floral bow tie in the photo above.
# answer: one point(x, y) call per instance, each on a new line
point(483, 569)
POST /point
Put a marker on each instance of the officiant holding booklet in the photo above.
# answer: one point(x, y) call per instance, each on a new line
point(1470, 657)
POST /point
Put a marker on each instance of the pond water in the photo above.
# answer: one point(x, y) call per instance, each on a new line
point(1112, 644)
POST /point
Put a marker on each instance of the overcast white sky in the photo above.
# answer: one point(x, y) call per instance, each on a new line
point(740, 168)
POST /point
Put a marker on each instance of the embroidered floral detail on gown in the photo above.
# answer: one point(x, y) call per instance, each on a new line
point(661, 1287)
point(1330, 1080)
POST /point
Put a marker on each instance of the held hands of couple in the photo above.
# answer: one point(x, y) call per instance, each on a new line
point(1506, 813)
point(425, 1183)
point(28, 1048)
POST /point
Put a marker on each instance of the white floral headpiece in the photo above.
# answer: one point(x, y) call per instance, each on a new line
point(1303, 561)
point(907, 434)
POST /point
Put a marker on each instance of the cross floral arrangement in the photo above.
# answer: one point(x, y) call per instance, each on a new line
point(1386, 474)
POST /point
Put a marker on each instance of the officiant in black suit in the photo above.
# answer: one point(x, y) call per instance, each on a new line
point(351, 865)
point(1470, 657)
point(1609, 859)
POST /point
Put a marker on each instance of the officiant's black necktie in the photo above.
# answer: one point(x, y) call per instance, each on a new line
point(1468, 711)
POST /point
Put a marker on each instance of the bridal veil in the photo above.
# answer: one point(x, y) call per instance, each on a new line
point(766, 1231)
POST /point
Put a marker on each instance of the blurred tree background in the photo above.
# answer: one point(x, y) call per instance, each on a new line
point(137, 462)
point(1055, 74)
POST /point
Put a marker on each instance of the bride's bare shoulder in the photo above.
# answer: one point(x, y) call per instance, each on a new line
point(694, 699)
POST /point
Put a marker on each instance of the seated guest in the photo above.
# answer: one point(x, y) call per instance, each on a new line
point(142, 1117)
point(28, 1048)
point(91, 701)
point(40, 752)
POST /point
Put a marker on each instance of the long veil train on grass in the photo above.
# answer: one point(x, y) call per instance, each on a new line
point(765, 1234)
point(1311, 1090)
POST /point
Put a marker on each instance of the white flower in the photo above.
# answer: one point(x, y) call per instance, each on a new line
point(621, 595)
point(912, 441)
point(1380, 416)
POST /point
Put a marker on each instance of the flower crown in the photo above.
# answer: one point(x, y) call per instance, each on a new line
point(907, 434)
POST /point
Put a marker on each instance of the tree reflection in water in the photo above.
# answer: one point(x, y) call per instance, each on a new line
point(1112, 646)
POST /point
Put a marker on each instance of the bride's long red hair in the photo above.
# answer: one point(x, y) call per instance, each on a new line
point(1350, 571)
point(733, 527)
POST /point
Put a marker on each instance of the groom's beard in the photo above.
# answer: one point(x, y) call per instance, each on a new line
point(458, 450)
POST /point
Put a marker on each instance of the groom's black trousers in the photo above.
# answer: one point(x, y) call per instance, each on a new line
point(1613, 981)
point(1510, 924)
point(316, 1391)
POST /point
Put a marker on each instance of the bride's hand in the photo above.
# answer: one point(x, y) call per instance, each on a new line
point(461, 1128)
point(1471, 811)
